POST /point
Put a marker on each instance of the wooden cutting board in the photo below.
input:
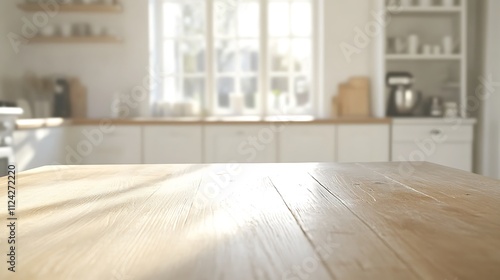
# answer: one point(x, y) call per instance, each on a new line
point(78, 99)
point(354, 98)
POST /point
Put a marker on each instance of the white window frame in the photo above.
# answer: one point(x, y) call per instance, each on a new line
point(209, 102)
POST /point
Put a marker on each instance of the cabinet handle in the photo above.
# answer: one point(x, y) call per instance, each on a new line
point(436, 132)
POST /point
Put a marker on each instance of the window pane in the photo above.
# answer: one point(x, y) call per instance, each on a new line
point(193, 53)
point(172, 19)
point(193, 18)
point(170, 89)
point(301, 53)
point(279, 93)
point(301, 92)
point(301, 18)
point(280, 55)
point(249, 55)
point(225, 18)
point(225, 87)
point(226, 56)
point(249, 89)
point(248, 19)
point(171, 57)
point(279, 18)
point(194, 89)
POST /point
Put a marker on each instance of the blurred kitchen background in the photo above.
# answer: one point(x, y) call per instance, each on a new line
point(188, 81)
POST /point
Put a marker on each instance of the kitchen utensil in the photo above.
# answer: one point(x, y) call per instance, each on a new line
point(450, 110)
point(448, 44)
point(78, 99)
point(402, 99)
point(62, 104)
point(354, 98)
point(413, 44)
point(436, 107)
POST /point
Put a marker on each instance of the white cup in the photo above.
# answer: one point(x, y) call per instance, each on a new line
point(448, 45)
point(413, 44)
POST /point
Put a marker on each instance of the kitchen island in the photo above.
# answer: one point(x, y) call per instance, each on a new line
point(254, 221)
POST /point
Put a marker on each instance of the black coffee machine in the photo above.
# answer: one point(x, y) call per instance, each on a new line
point(62, 103)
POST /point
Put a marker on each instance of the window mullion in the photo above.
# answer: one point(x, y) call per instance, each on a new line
point(264, 64)
point(291, 65)
point(210, 98)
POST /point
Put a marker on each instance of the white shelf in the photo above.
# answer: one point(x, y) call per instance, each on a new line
point(423, 57)
point(420, 10)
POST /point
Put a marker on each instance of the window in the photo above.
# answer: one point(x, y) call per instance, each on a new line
point(248, 57)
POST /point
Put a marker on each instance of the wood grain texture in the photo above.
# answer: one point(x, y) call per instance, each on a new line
point(255, 221)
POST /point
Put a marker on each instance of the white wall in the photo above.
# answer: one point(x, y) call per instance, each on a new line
point(103, 68)
point(341, 19)
point(491, 110)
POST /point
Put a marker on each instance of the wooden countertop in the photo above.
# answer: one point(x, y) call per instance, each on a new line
point(257, 221)
point(54, 122)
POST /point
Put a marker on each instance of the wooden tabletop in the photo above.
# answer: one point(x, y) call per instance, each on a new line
point(254, 221)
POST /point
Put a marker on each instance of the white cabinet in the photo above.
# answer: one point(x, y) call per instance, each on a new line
point(363, 143)
point(442, 143)
point(105, 144)
point(240, 143)
point(307, 143)
point(172, 144)
point(39, 147)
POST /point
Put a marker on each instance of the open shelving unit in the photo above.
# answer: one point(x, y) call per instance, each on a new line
point(443, 75)
point(75, 8)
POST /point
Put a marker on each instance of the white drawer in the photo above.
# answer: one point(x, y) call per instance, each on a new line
point(439, 133)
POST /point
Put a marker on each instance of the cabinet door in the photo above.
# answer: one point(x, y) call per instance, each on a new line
point(172, 144)
point(363, 143)
point(307, 143)
point(39, 147)
point(240, 143)
point(105, 145)
point(456, 155)
point(447, 145)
